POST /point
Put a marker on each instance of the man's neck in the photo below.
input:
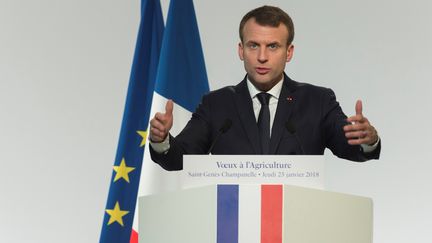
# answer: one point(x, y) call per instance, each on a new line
point(274, 91)
point(265, 87)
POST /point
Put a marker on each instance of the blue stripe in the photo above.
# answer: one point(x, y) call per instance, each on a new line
point(227, 213)
point(181, 74)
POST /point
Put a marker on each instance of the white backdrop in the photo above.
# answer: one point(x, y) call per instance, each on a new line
point(64, 69)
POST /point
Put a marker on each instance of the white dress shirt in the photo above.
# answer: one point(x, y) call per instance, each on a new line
point(273, 102)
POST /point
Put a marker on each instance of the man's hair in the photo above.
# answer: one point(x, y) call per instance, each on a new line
point(269, 16)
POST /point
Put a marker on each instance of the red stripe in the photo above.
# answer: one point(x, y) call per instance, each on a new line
point(134, 237)
point(271, 214)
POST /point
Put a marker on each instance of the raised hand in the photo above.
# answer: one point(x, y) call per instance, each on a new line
point(161, 123)
point(360, 131)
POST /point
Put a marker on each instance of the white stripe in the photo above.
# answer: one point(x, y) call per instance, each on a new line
point(154, 179)
point(249, 214)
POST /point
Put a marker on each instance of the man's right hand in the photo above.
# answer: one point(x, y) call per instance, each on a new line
point(161, 123)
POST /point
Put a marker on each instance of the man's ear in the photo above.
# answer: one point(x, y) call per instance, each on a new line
point(290, 52)
point(240, 51)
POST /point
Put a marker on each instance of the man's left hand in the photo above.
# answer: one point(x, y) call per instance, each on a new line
point(360, 131)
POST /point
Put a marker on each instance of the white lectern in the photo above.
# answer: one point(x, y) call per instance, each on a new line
point(246, 213)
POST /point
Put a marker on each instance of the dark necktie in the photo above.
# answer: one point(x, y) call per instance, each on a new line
point(264, 122)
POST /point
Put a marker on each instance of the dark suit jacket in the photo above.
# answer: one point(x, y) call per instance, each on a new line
point(313, 110)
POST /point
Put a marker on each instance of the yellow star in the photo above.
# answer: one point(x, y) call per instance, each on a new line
point(122, 171)
point(143, 134)
point(116, 214)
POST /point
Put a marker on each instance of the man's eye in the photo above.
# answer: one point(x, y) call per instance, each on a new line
point(253, 46)
point(273, 46)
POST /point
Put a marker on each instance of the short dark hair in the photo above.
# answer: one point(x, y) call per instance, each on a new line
point(269, 16)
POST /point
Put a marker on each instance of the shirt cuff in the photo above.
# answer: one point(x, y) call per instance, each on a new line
point(162, 147)
point(370, 148)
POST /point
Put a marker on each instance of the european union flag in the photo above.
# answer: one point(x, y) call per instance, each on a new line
point(122, 198)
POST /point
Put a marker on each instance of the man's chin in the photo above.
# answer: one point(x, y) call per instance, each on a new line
point(260, 79)
point(262, 85)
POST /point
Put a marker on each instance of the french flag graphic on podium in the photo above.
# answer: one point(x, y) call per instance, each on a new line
point(214, 213)
point(241, 218)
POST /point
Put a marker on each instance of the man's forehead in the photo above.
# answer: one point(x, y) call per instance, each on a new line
point(253, 24)
point(253, 21)
point(255, 31)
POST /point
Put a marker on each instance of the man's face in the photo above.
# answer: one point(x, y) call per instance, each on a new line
point(265, 52)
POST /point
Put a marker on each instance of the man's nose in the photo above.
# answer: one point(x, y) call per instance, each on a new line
point(262, 55)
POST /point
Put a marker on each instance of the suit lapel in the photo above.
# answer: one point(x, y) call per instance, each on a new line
point(283, 113)
point(244, 106)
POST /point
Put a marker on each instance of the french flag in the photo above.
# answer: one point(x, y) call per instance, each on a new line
point(214, 213)
point(255, 213)
point(181, 77)
point(243, 219)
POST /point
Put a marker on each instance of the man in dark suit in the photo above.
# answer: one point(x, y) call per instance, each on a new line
point(267, 112)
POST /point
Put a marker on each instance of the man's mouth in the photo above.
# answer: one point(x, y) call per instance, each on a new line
point(262, 70)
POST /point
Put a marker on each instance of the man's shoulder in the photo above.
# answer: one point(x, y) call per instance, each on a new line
point(306, 88)
point(312, 94)
point(220, 97)
point(227, 91)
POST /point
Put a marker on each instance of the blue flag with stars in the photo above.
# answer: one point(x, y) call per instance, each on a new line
point(122, 198)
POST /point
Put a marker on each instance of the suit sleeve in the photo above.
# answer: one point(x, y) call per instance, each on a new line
point(193, 139)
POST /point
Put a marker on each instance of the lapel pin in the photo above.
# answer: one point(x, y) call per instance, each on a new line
point(289, 98)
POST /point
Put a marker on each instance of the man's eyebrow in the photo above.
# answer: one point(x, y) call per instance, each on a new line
point(251, 42)
point(274, 43)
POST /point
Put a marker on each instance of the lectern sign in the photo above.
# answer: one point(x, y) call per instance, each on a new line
point(300, 170)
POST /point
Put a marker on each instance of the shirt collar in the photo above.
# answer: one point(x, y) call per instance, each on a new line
point(275, 91)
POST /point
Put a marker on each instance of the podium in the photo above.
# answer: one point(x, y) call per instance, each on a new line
point(254, 213)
